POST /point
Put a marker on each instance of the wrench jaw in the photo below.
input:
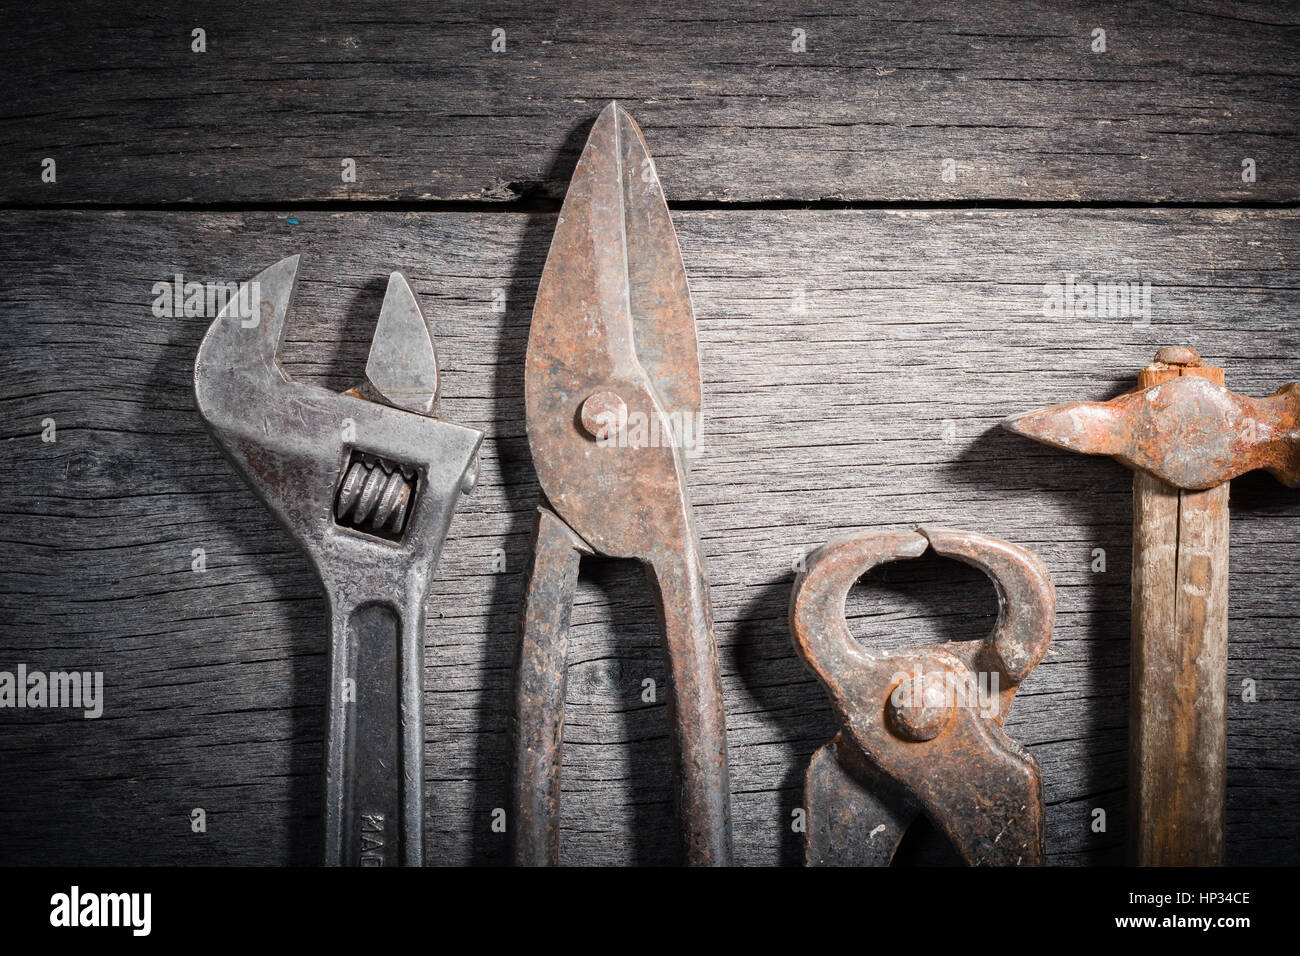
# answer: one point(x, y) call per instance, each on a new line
point(294, 443)
point(403, 366)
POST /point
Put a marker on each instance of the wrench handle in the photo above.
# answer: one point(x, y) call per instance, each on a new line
point(375, 737)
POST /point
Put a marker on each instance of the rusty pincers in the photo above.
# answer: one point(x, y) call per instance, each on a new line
point(921, 728)
point(366, 482)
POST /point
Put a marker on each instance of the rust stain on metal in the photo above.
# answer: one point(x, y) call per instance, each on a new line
point(602, 413)
point(1189, 431)
point(612, 341)
point(1185, 436)
point(921, 729)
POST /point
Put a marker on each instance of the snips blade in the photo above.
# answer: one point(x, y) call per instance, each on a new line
point(612, 378)
point(663, 317)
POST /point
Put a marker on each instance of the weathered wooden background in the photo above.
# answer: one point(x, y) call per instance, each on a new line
point(856, 362)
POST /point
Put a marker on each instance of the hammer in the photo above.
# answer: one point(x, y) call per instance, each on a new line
point(1185, 436)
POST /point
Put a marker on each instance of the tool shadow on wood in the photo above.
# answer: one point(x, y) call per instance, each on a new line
point(493, 757)
point(1076, 485)
point(296, 605)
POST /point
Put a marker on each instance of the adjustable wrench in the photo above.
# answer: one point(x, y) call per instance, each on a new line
point(366, 482)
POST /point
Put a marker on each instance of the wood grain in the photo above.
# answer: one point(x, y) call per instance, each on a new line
point(1179, 654)
point(883, 95)
point(855, 365)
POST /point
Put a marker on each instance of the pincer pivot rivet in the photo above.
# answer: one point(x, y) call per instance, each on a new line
point(920, 707)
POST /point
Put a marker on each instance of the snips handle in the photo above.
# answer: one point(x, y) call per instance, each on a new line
point(541, 678)
point(699, 726)
point(696, 715)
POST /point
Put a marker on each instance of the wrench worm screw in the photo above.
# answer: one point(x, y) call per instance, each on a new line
point(375, 496)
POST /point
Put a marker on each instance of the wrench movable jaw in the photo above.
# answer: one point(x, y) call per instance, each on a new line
point(367, 482)
point(403, 366)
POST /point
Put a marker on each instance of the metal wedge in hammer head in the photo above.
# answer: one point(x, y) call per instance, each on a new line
point(366, 482)
point(1185, 435)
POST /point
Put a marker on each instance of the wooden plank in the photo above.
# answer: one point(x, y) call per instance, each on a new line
point(881, 98)
point(855, 366)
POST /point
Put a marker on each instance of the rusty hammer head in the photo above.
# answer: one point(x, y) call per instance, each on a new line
point(1188, 430)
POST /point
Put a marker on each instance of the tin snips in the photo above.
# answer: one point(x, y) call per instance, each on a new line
point(612, 393)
